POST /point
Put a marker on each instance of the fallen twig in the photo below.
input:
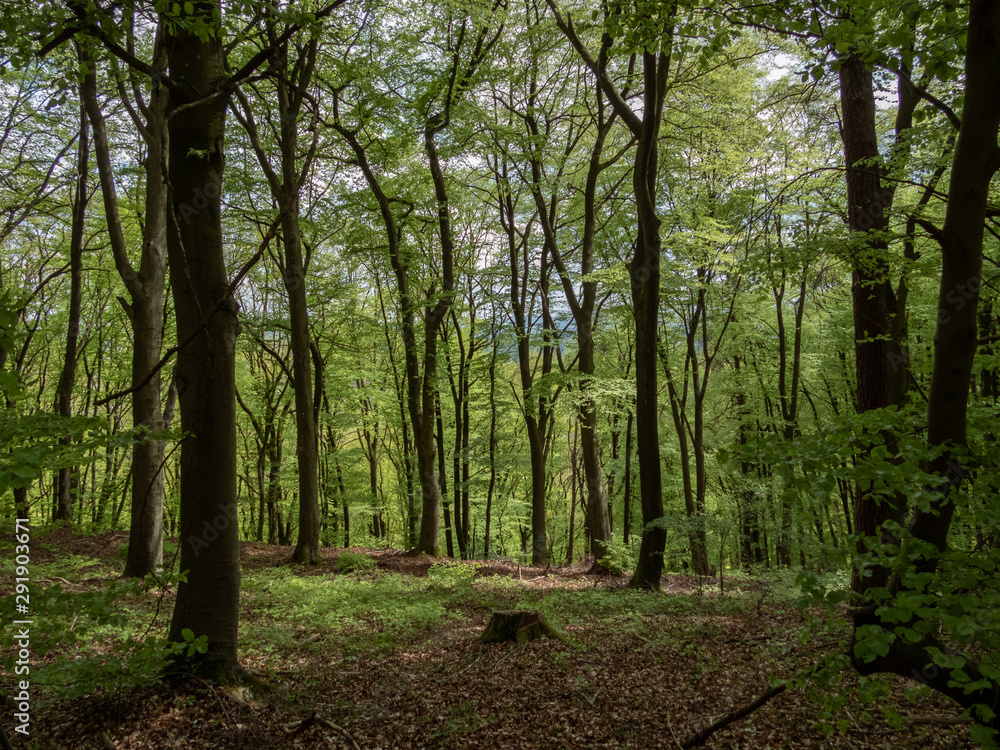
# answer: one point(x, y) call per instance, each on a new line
point(699, 739)
point(938, 719)
point(337, 728)
point(291, 730)
point(296, 727)
point(211, 688)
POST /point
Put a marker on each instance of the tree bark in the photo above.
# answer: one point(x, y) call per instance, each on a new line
point(208, 601)
point(975, 162)
point(880, 379)
point(63, 505)
point(144, 308)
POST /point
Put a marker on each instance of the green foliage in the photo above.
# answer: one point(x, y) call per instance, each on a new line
point(385, 611)
point(451, 575)
point(621, 557)
point(355, 562)
point(95, 642)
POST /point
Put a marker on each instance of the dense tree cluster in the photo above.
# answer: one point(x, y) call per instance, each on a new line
point(663, 285)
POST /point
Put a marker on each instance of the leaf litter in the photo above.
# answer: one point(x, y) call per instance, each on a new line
point(638, 670)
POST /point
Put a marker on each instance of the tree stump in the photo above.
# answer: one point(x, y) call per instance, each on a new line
point(518, 625)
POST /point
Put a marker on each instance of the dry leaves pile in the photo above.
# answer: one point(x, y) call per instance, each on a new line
point(651, 684)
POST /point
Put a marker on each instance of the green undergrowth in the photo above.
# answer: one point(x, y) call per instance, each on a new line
point(379, 612)
point(96, 632)
point(93, 632)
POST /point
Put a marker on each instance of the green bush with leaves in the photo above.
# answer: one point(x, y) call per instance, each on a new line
point(459, 575)
point(93, 645)
point(621, 556)
point(355, 562)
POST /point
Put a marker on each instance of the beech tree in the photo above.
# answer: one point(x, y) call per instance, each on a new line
point(975, 162)
point(293, 79)
point(468, 40)
point(145, 284)
point(653, 48)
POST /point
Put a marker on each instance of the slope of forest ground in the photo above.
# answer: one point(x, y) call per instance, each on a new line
point(387, 656)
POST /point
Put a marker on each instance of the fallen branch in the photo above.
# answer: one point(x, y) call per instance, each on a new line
point(347, 735)
point(291, 729)
point(296, 727)
point(943, 720)
point(699, 739)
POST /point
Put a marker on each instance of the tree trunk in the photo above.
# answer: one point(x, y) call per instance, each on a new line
point(443, 477)
point(208, 601)
point(598, 516)
point(63, 505)
point(974, 164)
point(880, 380)
point(518, 625)
point(492, 441)
point(644, 271)
point(144, 309)
point(627, 481)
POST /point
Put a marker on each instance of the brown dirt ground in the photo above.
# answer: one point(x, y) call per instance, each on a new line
point(649, 688)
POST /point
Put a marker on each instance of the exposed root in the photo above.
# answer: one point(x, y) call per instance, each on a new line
point(297, 727)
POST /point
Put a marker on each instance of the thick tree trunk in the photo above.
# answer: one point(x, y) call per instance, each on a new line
point(208, 601)
point(880, 379)
point(975, 162)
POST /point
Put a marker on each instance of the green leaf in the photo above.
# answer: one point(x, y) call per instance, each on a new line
point(983, 734)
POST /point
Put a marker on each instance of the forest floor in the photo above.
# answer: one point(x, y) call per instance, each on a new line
point(389, 657)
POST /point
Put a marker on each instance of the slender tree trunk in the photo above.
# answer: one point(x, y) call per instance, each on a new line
point(492, 441)
point(145, 308)
point(274, 458)
point(63, 506)
point(627, 482)
point(443, 478)
point(343, 496)
point(598, 513)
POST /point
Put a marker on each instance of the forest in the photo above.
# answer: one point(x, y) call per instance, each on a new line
point(331, 332)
